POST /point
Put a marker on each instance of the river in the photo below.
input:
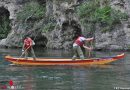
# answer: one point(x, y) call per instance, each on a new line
point(115, 76)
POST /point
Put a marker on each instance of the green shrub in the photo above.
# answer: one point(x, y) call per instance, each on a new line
point(91, 12)
point(48, 27)
point(31, 10)
point(87, 10)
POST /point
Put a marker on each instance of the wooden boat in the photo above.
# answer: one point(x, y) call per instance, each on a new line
point(49, 61)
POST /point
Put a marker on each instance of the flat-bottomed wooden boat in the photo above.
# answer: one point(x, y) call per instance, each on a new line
point(57, 61)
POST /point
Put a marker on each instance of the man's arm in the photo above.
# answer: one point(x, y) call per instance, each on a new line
point(89, 48)
point(89, 39)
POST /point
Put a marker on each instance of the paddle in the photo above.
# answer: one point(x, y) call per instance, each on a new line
point(24, 52)
point(89, 52)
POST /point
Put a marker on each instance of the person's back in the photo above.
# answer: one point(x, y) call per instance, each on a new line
point(79, 41)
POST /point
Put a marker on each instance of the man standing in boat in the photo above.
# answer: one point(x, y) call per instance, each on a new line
point(78, 44)
point(28, 47)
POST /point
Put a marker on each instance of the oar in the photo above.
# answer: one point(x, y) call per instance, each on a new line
point(23, 52)
point(89, 52)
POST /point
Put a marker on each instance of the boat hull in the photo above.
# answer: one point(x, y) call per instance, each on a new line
point(46, 61)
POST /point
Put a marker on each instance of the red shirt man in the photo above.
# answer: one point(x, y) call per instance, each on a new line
point(79, 42)
point(27, 47)
point(28, 42)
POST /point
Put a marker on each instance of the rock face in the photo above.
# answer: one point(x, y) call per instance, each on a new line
point(115, 40)
point(12, 7)
point(15, 37)
point(119, 38)
point(67, 26)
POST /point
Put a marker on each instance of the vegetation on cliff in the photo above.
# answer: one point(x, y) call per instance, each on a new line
point(4, 27)
point(92, 12)
point(31, 10)
point(32, 14)
point(4, 23)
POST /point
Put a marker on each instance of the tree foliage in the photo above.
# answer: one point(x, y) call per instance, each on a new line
point(31, 10)
point(92, 12)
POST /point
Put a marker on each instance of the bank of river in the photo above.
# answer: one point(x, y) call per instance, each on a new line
point(103, 77)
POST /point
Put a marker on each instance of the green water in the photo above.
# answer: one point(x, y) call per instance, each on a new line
point(103, 77)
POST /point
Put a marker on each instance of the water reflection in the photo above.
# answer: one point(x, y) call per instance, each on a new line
point(68, 77)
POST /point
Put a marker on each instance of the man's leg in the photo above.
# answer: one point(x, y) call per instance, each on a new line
point(80, 53)
point(74, 53)
point(33, 54)
point(26, 54)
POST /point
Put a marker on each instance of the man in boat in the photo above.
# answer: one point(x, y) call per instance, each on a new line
point(78, 44)
point(28, 47)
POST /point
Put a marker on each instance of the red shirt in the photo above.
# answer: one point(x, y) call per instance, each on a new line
point(28, 43)
point(80, 41)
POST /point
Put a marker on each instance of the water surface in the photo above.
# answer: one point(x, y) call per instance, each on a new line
point(101, 77)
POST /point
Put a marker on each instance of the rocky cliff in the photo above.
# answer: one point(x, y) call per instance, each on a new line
point(119, 38)
point(57, 23)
